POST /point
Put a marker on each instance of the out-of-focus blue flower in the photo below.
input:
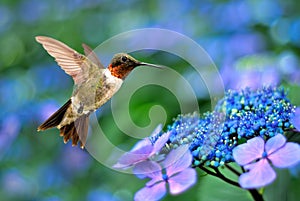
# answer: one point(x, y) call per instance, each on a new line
point(266, 11)
point(294, 31)
point(51, 176)
point(6, 17)
point(17, 185)
point(178, 175)
point(232, 15)
point(79, 159)
point(256, 154)
point(47, 109)
point(100, 195)
point(33, 10)
point(51, 198)
point(9, 130)
point(252, 78)
point(258, 70)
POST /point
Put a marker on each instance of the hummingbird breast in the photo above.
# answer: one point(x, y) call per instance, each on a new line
point(96, 91)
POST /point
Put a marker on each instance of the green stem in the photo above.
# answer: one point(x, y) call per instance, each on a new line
point(219, 175)
point(254, 193)
point(232, 169)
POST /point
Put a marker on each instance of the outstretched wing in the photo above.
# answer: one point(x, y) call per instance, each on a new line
point(72, 62)
point(92, 55)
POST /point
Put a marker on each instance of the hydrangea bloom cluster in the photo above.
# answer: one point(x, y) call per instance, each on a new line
point(264, 112)
point(238, 116)
point(246, 127)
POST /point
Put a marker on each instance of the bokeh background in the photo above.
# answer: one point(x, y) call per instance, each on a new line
point(252, 42)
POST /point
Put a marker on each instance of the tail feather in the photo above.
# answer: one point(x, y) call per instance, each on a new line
point(55, 119)
point(82, 126)
point(76, 131)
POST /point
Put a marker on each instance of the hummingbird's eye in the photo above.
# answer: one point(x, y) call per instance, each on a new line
point(124, 58)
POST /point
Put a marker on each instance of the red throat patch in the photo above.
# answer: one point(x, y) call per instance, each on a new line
point(120, 71)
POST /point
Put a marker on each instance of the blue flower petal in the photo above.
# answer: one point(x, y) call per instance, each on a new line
point(296, 119)
point(274, 143)
point(178, 160)
point(131, 158)
point(150, 169)
point(248, 152)
point(260, 174)
point(288, 155)
point(182, 181)
point(153, 193)
point(160, 143)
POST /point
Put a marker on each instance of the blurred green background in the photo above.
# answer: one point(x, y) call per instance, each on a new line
point(252, 42)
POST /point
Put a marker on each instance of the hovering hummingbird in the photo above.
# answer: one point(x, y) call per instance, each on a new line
point(94, 86)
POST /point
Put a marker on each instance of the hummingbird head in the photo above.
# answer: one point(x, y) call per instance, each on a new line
point(122, 64)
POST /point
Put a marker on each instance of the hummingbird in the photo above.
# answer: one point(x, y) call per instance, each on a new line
point(94, 85)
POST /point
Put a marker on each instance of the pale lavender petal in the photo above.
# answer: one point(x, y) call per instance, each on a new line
point(274, 143)
point(141, 144)
point(156, 130)
point(148, 168)
point(153, 193)
point(141, 151)
point(182, 181)
point(248, 152)
point(286, 156)
point(146, 141)
point(178, 160)
point(296, 119)
point(160, 143)
point(131, 158)
point(260, 174)
point(155, 181)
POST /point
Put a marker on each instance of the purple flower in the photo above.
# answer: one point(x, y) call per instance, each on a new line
point(256, 154)
point(296, 119)
point(177, 173)
point(143, 150)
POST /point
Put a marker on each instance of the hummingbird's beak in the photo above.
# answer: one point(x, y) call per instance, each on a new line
point(151, 65)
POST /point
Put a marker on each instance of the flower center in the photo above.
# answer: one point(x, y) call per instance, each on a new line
point(165, 177)
point(265, 154)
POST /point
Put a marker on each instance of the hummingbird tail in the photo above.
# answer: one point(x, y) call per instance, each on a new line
point(77, 131)
point(55, 119)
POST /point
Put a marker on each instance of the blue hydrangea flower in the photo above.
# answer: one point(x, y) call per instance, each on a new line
point(263, 112)
point(213, 140)
point(239, 116)
point(256, 154)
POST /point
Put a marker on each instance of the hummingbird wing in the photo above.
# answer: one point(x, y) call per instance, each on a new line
point(92, 55)
point(73, 63)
